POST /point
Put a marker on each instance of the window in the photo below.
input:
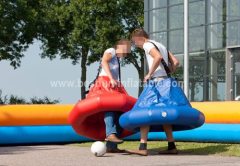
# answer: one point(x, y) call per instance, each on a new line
point(158, 20)
point(157, 3)
point(160, 37)
point(176, 41)
point(233, 33)
point(216, 36)
point(233, 9)
point(216, 10)
point(196, 13)
point(176, 16)
point(196, 39)
point(171, 2)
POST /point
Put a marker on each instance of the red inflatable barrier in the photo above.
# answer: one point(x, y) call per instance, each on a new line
point(87, 116)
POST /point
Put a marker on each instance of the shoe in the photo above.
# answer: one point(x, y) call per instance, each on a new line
point(115, 151)
point(113, 138)
point(138, 152)
point(168, 152)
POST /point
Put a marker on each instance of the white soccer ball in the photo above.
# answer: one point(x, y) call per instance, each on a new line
point(98, 148)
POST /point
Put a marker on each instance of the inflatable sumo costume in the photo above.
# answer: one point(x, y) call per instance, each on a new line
point(162, 102)
point(87, 117)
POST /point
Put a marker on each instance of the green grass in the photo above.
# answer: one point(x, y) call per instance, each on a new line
point(185, 148)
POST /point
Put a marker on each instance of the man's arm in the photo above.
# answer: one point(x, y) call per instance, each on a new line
point(173, 61)
point(157, 57)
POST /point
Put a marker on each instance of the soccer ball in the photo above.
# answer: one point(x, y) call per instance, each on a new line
point(98, 148)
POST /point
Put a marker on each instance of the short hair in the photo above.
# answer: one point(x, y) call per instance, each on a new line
point(140, 32)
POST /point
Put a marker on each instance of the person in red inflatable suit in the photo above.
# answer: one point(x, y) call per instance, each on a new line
point(108, 80)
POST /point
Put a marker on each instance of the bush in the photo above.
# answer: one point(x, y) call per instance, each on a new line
point(13, 99)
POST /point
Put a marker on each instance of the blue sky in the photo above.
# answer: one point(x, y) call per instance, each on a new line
point(37, 77)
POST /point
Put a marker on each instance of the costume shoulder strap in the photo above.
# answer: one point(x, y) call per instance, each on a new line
point(168, 71)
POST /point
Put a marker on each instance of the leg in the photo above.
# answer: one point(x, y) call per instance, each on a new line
point(171, 144)
point(109, 123)
point(144, 134)
point(112, 147)
point(142, 151)
point(111, 129)
point(118, 127)
point(168, 132)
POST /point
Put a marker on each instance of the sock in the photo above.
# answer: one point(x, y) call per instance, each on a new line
point(143, 146)
point(171, 145)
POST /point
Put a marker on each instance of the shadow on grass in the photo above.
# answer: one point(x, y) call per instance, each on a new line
point(206, 150)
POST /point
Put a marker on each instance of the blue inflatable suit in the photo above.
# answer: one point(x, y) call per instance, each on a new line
point(162, 102)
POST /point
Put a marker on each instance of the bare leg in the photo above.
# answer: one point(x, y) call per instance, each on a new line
point(144, 134)
point(168, 132)
point(143, 142)
point(171, 144)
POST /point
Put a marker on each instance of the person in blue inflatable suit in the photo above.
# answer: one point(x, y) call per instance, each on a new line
point(108, 79)
point(157, 73)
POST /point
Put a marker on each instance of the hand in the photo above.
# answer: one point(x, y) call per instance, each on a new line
point(146, 78)
point(113, 83)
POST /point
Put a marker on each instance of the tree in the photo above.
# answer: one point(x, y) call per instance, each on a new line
point(76, 30)
point(79, 30)
point(132, 14)
point(13, 99)
point(17, 29)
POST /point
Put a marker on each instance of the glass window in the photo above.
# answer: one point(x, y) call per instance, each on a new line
point(197, 13)
point(196, 39)
point(217, 75)
point(158, 20)
point(216, 10)
point(217, 36)
point(157, 3)
point(176, 41)
point(196, 71)
point(233, 33)
point(146, 24)
point(173, 2)
point(233, 9)
point(176, 16)
point(160, 37)
point(146, 5)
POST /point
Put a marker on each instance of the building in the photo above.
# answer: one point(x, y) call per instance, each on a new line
point(214, 43)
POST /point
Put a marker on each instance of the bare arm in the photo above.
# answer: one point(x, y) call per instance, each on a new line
point(157, 57)
point(174, 62)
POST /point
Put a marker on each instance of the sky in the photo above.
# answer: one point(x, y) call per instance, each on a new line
point(56, 79)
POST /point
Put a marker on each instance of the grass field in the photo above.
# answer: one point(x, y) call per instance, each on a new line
point(188, 148)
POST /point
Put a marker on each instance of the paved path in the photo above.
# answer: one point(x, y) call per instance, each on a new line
point(72, 155)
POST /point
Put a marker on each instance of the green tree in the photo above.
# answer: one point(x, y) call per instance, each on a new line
point(132, 14)
point(79, 30)
point(17, 29)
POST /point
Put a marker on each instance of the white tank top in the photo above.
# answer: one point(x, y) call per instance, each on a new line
point(113, 64)
point(147, 46)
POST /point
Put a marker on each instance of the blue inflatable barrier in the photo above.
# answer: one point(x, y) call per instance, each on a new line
point(223, 133)
point(229, 133)
point(162, 102)
point(38, 135)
